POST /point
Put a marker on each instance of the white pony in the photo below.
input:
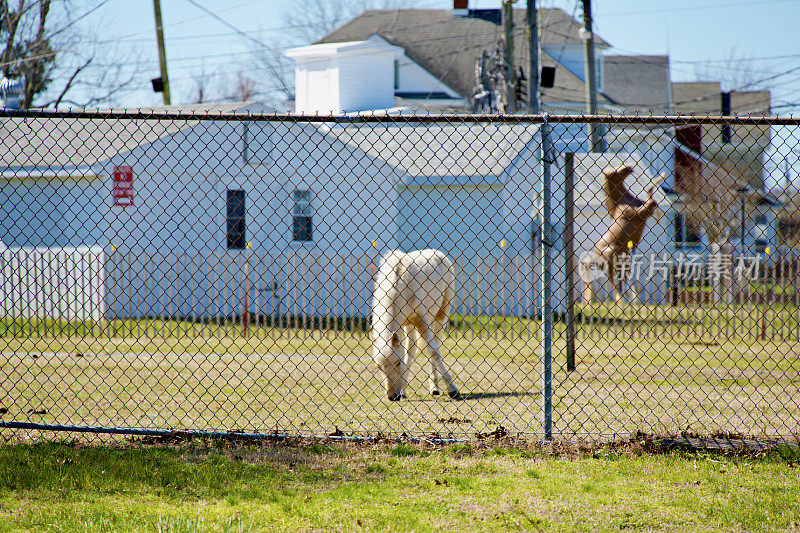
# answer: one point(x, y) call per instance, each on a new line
point(413, 292)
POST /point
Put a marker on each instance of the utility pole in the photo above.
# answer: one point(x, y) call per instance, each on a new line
point(533, 58)
point(591, 85)
point(508, 51)
point(162, 55)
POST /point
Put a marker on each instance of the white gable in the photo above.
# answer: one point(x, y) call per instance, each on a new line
point(338, 78)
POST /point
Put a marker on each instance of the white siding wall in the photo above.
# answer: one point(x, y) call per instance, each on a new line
point(179, 191)
point(414, 78)
point(366, 81)
point(353, 193)
point(317, 85)
point(54, 211)
point(180, 186)
point(171, 255)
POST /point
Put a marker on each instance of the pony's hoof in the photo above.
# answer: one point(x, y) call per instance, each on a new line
point(394, 397)
point(455, 395)
point(435, 392)
point(403, 396)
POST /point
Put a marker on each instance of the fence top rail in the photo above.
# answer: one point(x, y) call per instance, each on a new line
point(426, 118)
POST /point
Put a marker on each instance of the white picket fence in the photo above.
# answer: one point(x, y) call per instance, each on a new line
point(307, 290)
point(90, 284)
point(226, 285)
point(56, 283)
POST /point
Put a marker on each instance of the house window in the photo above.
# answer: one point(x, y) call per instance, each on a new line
point(692, 234)
point(678, 228)
point(684, 232)
point(235, 220)
point(302, 213)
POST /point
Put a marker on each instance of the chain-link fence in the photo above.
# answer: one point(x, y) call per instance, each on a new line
point(218, 273)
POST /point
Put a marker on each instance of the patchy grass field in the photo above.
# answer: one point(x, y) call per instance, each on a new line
point(630, 376)
point(217, 486)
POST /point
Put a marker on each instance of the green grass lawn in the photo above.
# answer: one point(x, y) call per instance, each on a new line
point(322, 486)
point(638, 368)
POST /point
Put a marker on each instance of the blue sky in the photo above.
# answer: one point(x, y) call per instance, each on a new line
point(699, 36)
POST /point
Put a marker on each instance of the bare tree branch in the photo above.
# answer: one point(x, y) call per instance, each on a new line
point(56, 62)
point(240, 89)
point(278, 70)
point(68, 85)
point(734, 72)
point(200, 92)
point(308, 21)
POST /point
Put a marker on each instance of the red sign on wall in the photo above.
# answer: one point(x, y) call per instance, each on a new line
point(123, 185)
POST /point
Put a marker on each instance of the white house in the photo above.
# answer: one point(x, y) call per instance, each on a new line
point(478, 183)
point(343, 77)
point(434, 68)
point(163, 206)
point(195, 217)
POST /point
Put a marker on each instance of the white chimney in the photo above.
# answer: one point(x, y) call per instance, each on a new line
point(338, 78)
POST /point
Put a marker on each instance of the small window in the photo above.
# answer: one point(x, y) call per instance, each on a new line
point(678, 227)
point(302, 213)
point(396, 74)
point(692, 234)
point(236, 220)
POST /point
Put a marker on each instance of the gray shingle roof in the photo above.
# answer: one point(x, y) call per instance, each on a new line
point(27, 143)
point(436, 150)
point(637, 83)
point(699, 97)
point(448, 45)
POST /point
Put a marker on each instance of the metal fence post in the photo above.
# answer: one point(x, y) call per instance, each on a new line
point(546, 303)
point(569, 258)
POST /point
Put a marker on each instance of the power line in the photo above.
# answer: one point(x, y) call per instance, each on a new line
point(225, 22)
point(169, 25)
point(725, 60)
point(696, 7)
point(78, 19)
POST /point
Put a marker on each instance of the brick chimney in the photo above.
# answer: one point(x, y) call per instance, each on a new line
point(461, 8)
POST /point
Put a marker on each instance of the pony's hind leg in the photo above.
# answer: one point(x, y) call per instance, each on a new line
point(437, 365)
point(411, 349)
